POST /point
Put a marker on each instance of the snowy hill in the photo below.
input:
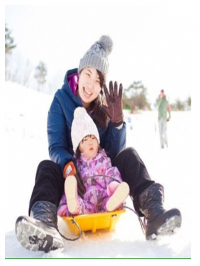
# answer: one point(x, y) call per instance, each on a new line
point(26, 145)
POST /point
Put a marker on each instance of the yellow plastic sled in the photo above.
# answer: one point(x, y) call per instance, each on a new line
point(93, 222)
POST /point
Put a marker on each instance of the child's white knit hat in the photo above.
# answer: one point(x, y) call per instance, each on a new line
point(82, 126)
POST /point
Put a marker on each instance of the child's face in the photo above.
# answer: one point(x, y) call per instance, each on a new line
point(89, 146)
point(89, 85)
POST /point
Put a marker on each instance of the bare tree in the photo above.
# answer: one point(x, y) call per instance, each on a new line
point(25, 73)
point(40, 74)
point(19, 69)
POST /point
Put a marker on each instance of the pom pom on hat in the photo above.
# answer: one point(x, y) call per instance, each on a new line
point(80, 112)
point(82, 126)
point(97, 55)
point(106, 43)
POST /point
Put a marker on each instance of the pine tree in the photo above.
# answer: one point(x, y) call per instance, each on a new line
point(9, 41)
point(134, 97)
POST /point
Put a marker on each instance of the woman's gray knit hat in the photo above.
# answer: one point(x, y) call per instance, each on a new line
point(97, 55)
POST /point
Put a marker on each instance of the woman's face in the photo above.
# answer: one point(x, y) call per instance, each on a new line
point(89, 85)
point(89, 146)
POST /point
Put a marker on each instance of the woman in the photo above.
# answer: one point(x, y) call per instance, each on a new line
point(84, 87)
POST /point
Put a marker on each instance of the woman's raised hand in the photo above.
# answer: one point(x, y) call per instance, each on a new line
point(114, 108)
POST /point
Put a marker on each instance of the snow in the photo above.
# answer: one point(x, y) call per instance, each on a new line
point(26, 145)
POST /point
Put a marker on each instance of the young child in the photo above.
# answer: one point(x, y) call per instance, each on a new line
point(104, 189)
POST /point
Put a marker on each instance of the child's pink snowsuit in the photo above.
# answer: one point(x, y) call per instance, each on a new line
point(97, 174)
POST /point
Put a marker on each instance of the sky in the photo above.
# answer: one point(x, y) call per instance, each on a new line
point(156, 42)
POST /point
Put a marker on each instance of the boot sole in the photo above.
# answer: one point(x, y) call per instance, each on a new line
point(71, 193)
point(26, 229)
point(119, 196)
point(168, 228)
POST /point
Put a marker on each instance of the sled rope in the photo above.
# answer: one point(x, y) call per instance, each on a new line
point(93, 177)
point(142, 224)
point(79, 229)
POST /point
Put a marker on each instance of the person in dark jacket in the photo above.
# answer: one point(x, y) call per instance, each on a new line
point(86, 87)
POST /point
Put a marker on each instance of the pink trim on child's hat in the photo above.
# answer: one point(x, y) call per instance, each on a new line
point(82, 126)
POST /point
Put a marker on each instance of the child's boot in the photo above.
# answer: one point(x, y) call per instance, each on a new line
point(112, 187)
point(71, 194)
point(119, 196)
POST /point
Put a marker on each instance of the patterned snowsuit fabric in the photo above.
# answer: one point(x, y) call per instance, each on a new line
point(97, 174)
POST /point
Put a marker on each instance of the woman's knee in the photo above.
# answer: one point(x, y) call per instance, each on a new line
point(49, 168)
point(128, 154)
point(47, 163)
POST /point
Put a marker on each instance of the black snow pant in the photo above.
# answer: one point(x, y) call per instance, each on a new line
point(49, 183)
point(133, 171)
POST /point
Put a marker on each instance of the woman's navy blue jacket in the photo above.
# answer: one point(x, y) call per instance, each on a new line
point(60, 117)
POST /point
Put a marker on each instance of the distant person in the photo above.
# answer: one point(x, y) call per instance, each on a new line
point(163, 110)
point(129, 120)
point(97, 180)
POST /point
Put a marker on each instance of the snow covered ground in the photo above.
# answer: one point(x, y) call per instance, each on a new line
point(26, 145)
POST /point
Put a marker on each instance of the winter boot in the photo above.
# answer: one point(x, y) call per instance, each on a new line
point(119, 196)
point(39, 232)
point(159, 221)
point(71, 194)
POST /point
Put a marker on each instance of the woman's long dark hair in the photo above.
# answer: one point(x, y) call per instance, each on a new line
point(100, 117)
